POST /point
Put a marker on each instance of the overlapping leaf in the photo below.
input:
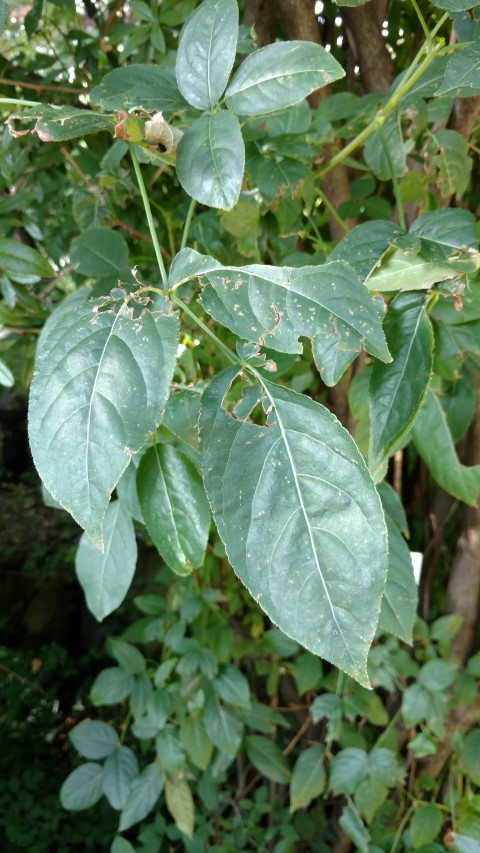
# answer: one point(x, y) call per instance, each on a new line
point(365, 244)
point(100, 386)
point(58, 124)
point(146, 87)
point(301, 487)
point(211, 160)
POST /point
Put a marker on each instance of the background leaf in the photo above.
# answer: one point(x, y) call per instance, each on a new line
point(143, 795)
point(150, 87)
point(308, 778)
point(267, 757)
point(83, 787)
point(99, 252)
point(93, 738)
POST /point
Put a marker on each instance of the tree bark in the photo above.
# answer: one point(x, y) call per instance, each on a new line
point(364, 25)
point(262, 15)
point(465, 112)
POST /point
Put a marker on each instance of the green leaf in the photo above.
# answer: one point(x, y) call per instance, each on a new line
point(112, 685)
point(267, 758)
point(58, 124)
point(93, 739)
point(327, 705)
point(425, 825)
point(369, 796)
point(389, 138)
point(100, 385)
point(105, 577)
point(233, 687)
point(119, 773)
point(146, 87)
point(211, 160)
point(419, 704)
point(303, 488)
point(308, 672)
point(308, 778)
point(3, 15)
point(179, 800)
point(83, 787)
point(458, 403)
point(453, 5)
point(393, 507)
point(127, 491)
point(174, 506)
point(126, 655)
point(280, 75)
point(406, 271)
point(347, 770)
point(446, 233)
point(143, 795)
point(21, 263)
point(223, 728)
point(464, 844)
point(169, 750)
point(7, 378)
point(274, 306)
point(397, 390)
point(365, 244)
point(182, 414)
point(196, 742)
point(99, 252)
point(278, 177)
point(400, 599)
point(453, 162)
point(206, 52)
point(140, 695)
point(437, 675)
point(121, 845)
point(353, 826)
point(433, 440)
point(471, 755)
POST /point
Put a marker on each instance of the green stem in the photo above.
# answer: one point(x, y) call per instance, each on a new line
point(226, 351)
point(20, 102)
point(402, 826)
point(332, 211)
point(422, 20)
point(393, 174)
point(188, 222)
point(148, 214)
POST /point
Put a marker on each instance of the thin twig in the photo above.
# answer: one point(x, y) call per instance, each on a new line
point(42, 87)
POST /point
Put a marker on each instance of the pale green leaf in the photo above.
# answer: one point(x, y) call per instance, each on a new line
point(83, 787)
point(179, 800)
point(112, 685)
point(105, 576)
point(465, 844)
point(397, 389)
point(369, 796)
point(143, 795)
point(121, 845)
point(196, 742)
point(93, 739)
point(347, 770)
point(127, 490)
point(447, 233)
point(21, 263)
point(99, 252)
point(182, 413)
point(452, 6)
point(174, 506)
point(268, 759)
point(353, 826)
point(211, 160)
point(7, 378)
point(302, 488)
point(119, 773)
point(425, 825)
point(223, 728)
point(3, 15)
point(401, 270)
point(308, 778)
point(434, 442)
point(393, 507)
point(100, 385)
point(280, 75)
point(206, 52)
point(146, 87)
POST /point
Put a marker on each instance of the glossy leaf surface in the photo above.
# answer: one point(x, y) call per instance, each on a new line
point(211, 160)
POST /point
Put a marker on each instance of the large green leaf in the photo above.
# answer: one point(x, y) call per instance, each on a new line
point(308, 777)
point(143, 795)
point(301, 487)
point(397, 389)
point(402, 270)
point(174, 506)
point(462, 74)
point(21, 263)
point(99, 252)
point(447, 233)
point(276, 305)
point(206, 52)
point(267, 757)
point(211, 160)
point(365, 244)
point(280, 75)
point(105, 577)
point(400, 599)
point(58, 124)
point(146, 87)
point(101, 381)
point(434, 442)
point(83, 787)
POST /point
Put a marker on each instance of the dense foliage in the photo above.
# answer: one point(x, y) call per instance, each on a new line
point(246, 267)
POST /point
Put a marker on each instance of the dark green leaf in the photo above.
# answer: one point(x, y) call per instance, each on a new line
point(206, 52)
point(393, 507)
point(365, 244)
point(119, 773)
point(100, 385)
point(303, 487)
point(105, 576)
point(127, 491)
point(121, 845)
point(437, 675)
point(112, 685)
point(58, 124)
point(148, 87)
point(267, 758)
point(99, 252)
point(280, 75)
point(93, 739)
point(434, 442)
point(169, 750)
point(400, 599)
point(397, 389)
point(308, 778)
point(233, 687)
point(458, 403)
point(21, 263)
point(426, 824)
point(211, 160)
point(369, 796)
point(453, 5)
point(174, 506)
point(127, 656)
point(223, 728)
point(82, 788)
point(142, 797)
point(308, 672)
point(446, 233)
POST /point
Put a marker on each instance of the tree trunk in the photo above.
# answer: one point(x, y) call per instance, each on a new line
point(262, 15)
point(364, 25)
point(465, 112)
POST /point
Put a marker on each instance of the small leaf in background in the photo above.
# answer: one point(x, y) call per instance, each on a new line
point(179, 800)
point(268, 759)
point(433, 440)
point(99, 252)
point(21, 263)
point(94, 739)
point(119, 772)
point(425, 825)
point(149, 87)
point(112, 685)
point(223, 728)
point(280, 75)
point(465, 844)
point(462, 73)
point(389, 139)
point(206, 52)
point(347, 770)
point(446, 233)
point(182, 414)
point(143, 796)
point(211, 160)
point(400, 599)
point(196, 742)
point(397, 389)
point(353, 826)
point(105, 577)
point(453, 161)
point(174, 506)
point(127, 656)
point(7, 378)
point(471, 755)
point(308, 777)
point(121, 845)
point(83, 787)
